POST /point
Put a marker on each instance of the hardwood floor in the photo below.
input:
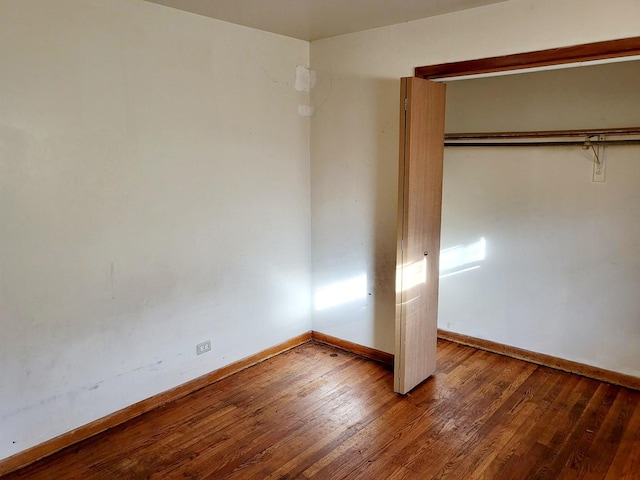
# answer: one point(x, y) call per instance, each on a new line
point(317, 412)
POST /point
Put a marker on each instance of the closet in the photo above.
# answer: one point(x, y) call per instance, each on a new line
point(540, 242)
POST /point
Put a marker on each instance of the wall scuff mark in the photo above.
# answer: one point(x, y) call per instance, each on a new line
point(112, 285)
point(305, 81)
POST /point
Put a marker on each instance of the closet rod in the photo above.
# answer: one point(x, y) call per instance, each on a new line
point(540, 143)
point(544, 134)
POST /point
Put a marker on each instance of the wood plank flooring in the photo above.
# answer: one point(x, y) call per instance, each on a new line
point(318, 412)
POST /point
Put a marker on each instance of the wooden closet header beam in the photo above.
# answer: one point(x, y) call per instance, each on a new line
point(579, 53)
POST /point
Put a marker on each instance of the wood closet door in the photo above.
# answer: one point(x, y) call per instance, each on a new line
point(422, 107)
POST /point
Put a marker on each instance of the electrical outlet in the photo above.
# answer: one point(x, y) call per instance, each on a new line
point(203, 347)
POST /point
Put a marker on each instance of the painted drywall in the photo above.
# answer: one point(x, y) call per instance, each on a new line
point(354, 149)
point(576, 97)
point(541, 257)
point(154, 193)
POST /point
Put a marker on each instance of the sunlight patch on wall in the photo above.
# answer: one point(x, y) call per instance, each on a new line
point(462, 258)
point(341, 292)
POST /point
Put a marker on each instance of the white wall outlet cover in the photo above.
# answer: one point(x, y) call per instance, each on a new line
point(203, 347)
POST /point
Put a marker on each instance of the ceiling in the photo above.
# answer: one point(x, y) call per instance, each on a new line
point(316, 19)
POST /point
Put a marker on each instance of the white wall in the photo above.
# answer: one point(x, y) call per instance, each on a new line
point(154, 193)
point(561, 273)
point(354, 149)
point(577, 97)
